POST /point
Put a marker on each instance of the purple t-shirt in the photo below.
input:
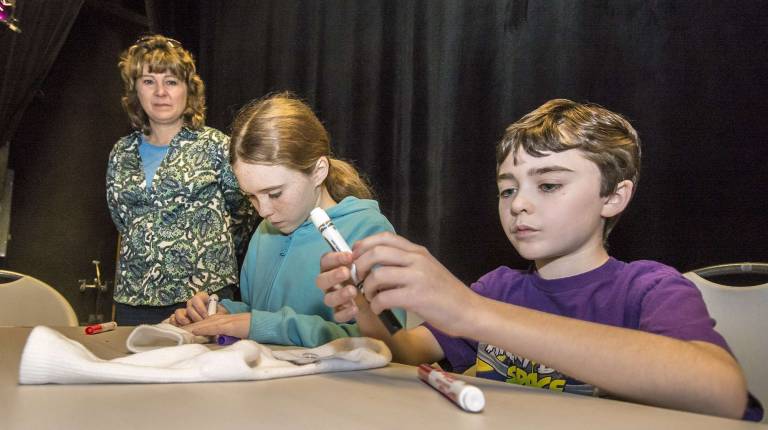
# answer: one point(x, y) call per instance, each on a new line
point(643, 295)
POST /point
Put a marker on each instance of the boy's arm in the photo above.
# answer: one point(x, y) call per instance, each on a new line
point(640, 366)
point(635, 365)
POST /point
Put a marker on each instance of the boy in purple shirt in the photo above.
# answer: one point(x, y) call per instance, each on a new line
point(579, 320)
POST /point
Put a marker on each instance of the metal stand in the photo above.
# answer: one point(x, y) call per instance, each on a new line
point(100, 287)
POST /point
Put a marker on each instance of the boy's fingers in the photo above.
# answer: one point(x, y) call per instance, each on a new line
point(388, 299)
point(383, 256)
point(386, 278)
point(383, 239)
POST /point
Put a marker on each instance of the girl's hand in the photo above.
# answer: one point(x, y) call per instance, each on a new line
point(237, 325)
point(196, 310)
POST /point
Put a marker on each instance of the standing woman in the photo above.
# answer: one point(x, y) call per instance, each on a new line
point(170, 189)
point(281, 155)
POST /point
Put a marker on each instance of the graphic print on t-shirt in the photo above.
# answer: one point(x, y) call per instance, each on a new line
point(497, 364)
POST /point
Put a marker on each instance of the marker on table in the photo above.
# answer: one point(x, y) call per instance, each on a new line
point(467, 397)
point(325, 226)
point(100, 328)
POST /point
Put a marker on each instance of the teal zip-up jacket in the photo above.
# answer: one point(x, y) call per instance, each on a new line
point(277, 281)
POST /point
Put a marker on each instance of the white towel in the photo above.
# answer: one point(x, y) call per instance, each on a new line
point(147, 337)
point(51, 358)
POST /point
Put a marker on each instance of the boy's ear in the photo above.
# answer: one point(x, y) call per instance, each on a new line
point(616, 202)
point(321, 171)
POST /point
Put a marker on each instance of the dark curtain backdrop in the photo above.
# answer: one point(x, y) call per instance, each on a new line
point(60, 221)
point(25, 58)
point(417, 93)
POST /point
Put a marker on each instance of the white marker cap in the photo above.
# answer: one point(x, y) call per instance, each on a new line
point(318, 217)
point(471, 399)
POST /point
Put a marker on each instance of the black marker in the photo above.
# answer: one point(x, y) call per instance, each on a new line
point(325, 226)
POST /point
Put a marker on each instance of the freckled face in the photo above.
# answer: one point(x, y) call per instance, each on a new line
point(282, 196)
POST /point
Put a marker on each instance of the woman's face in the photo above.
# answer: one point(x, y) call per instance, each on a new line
point(163, 97)
point(282, 196)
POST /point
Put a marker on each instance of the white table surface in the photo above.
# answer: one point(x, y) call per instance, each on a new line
point(390, 398)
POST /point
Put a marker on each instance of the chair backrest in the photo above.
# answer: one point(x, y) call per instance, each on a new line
point(741, 314)
point(27, 301)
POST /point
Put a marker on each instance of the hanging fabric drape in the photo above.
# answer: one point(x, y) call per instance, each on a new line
point(27, 57)
point(417, 94)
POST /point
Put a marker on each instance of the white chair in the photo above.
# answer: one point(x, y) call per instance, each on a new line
point(27, 301)
point(741, 314)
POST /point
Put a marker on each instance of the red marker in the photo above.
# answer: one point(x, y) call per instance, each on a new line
point(100, 328)
point(467, 397)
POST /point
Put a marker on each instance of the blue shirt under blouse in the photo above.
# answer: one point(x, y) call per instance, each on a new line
point(151, 157)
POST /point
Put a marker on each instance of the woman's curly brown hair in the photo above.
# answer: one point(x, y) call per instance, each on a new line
point(161, 55)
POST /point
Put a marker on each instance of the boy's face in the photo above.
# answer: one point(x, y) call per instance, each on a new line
point(550, 207)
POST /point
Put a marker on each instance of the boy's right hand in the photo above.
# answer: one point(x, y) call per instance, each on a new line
point(397, 274)
point(196, 310)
